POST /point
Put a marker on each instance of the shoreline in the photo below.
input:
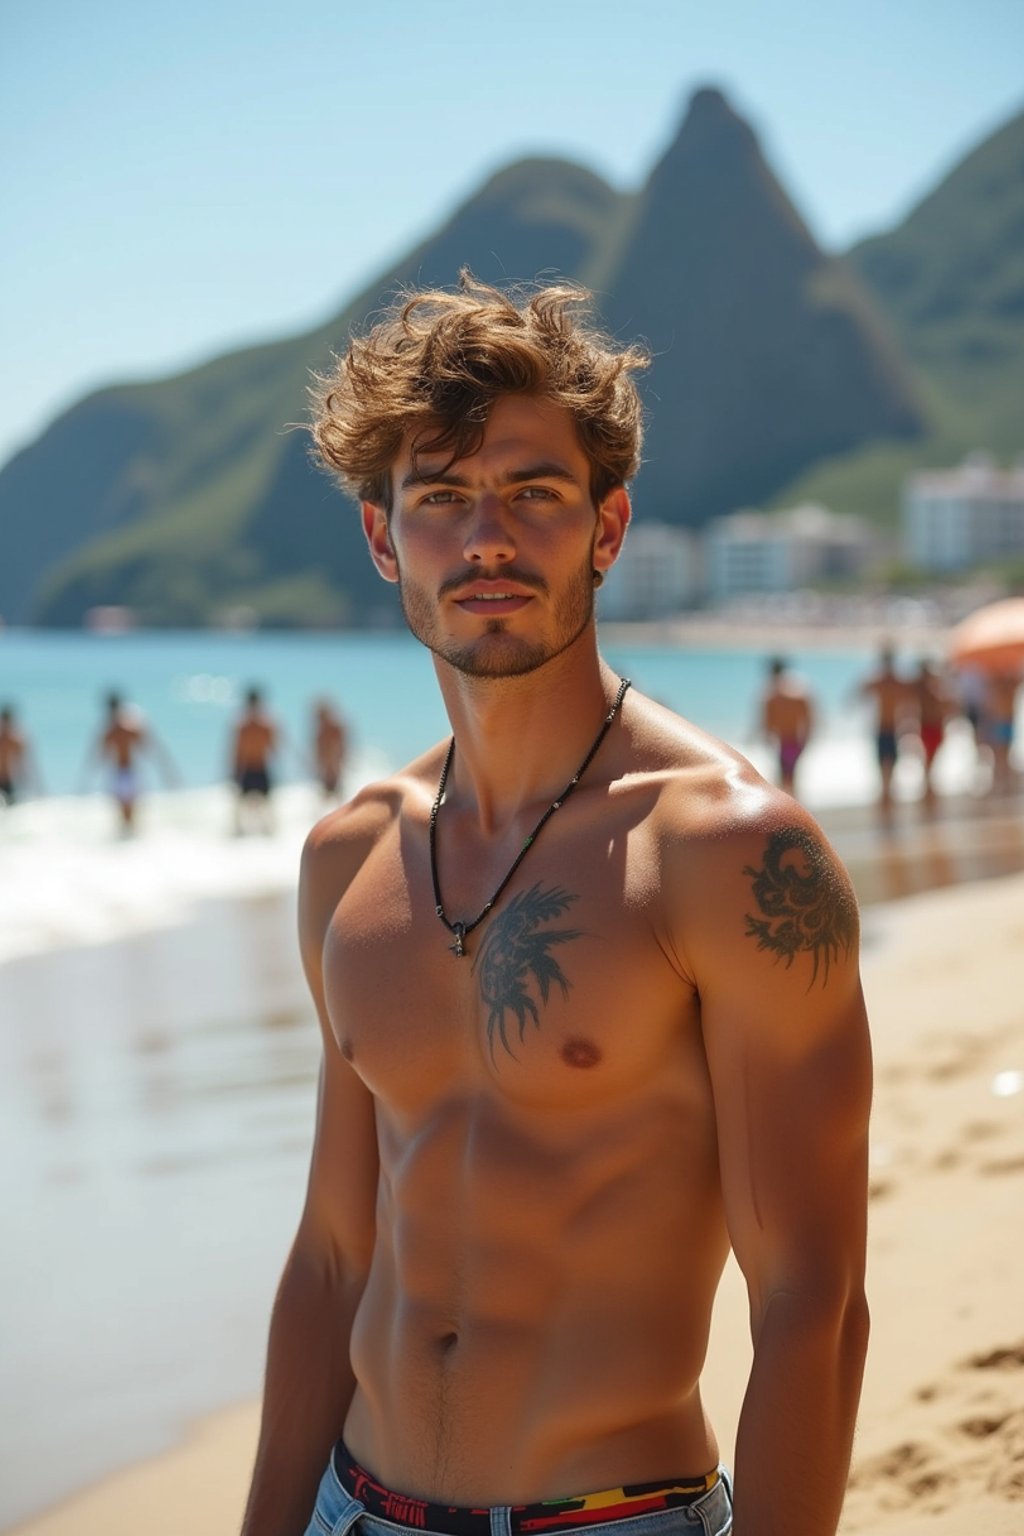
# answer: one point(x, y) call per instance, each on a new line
point(100, 890)
point(706, 630)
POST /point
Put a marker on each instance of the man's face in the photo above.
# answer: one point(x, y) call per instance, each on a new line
point(494, 554)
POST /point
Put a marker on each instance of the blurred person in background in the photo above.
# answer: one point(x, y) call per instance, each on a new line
point(18, 767)
point(255, 742)
point(932, 706)
point(787, 718)
point(892, 698)
point(998, 725)
point(330, 748)
point(123, 739)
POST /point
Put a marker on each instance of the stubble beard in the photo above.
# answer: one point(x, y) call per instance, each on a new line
point(497, 652)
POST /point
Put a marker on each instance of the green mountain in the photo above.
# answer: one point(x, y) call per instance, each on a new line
point(768, 356)
point(950, 283)
point(190, 496)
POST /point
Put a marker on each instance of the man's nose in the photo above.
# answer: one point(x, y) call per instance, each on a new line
point(489, 535)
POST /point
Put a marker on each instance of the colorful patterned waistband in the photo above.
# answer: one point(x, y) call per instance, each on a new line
point(547, 1515)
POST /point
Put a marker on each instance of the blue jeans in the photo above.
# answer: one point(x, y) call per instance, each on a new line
point(337, 1512)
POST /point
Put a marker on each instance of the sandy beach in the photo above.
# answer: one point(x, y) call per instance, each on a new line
point(940, 1446)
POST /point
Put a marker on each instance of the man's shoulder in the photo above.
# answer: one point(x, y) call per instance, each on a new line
point(706, 788)
point(755, 873)
point(347, 834)
point(721, 827)
point(342, 842)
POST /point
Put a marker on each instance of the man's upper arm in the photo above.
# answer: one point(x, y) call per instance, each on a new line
point(772, 937)
point(338, 1221)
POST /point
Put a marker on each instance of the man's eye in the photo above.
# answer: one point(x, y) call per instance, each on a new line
point(536, 493)
point(439, 499)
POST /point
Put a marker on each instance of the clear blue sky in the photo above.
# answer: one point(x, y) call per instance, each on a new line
point(176, 179)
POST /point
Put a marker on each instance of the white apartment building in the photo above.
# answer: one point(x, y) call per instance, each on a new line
point(656, 575)
point(750, 552)
point(954, 519)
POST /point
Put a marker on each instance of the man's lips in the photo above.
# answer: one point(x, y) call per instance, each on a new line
point(495, 596)
point(494, 600)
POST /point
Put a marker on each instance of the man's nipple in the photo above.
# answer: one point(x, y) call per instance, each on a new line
point(579, 1052)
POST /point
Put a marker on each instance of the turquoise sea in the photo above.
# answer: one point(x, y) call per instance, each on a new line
point(189, 686)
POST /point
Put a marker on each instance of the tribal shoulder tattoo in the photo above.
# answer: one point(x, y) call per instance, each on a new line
point(515, 966)
point(805, 906)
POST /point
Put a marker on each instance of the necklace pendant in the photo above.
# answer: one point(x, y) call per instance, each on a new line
point(458, 949)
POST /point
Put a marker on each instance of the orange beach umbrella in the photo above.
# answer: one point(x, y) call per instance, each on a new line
point(991, 638)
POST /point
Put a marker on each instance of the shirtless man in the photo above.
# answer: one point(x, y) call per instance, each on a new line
point(1000, 715)
point(122, 740)
point(892, 697)
point(330, 747)
point(254, 742)
point(590, 1007)
point(787, 718)
point(932, 708)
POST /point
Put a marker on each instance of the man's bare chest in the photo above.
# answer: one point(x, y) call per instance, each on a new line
point(564, 994)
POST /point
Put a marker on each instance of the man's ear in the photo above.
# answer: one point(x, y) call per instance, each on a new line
point(378, 537)
point(613, 516)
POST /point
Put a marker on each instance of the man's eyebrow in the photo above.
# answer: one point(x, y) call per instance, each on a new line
point(546, 469)
point(439, 476)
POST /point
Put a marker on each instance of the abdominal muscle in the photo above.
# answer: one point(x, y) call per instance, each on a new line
point(536, 1314)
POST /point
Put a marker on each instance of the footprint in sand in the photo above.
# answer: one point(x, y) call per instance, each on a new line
point(1008, 1357)
point(1006, 1434)
point(908, 1474)
point(933, 1476)
point(1007, 1479)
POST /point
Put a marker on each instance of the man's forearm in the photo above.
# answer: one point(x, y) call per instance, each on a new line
point(796, 1428)
point(309, 1386)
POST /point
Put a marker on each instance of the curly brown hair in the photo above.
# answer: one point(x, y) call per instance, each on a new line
point(435, 363)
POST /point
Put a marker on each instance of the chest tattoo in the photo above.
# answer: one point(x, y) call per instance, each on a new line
point(515, 967)
point(806, 906)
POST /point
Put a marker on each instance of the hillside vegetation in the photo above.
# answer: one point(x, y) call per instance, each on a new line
point(779, 372)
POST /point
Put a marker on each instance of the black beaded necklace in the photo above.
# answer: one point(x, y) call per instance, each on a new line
point(463, 930)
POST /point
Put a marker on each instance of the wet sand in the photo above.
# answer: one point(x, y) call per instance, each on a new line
point(154, 1130)
point(156, 1105)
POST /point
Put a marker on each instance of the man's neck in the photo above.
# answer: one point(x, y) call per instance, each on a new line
point(519, 740)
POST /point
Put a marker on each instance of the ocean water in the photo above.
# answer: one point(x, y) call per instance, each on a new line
point(65, 878)
point(189, 686)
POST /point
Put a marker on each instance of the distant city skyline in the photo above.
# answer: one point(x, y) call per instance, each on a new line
point(180, 184)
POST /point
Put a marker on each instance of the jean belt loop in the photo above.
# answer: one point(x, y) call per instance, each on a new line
point(348, 1517)
point(501, 1521)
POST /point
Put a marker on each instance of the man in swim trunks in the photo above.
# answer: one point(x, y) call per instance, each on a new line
point(893, 700)
point(254, 742)
point(787, 718)
point(590, 1012)
point(123, 739)
point(1000, 717)
point(933, 706)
